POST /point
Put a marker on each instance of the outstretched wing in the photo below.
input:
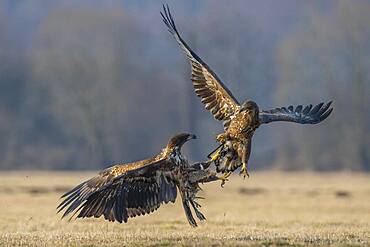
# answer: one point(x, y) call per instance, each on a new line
point(306, 115)
point(213, 93)
point(121, 192)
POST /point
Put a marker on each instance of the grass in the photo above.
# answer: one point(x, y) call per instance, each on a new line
point(270, 208)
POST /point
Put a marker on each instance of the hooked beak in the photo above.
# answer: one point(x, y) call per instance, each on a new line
point(192, 137)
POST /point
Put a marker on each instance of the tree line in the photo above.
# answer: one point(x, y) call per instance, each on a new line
point(84, 85)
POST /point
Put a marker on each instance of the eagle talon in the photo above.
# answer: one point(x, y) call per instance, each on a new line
point(223, 182)
point(224, 178)
point(244, 171)
point(221, 138)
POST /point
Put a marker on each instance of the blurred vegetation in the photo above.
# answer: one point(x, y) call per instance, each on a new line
point(87, 83)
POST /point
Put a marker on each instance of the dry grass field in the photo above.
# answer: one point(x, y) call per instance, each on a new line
point(270, 208)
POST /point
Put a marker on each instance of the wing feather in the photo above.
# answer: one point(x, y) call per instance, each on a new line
point(120, 192)
point(308, 115)
point(213, 93)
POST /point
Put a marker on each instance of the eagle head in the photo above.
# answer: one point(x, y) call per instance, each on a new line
point(251, 107)
point(179, 139)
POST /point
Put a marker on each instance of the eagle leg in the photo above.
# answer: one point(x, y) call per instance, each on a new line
point(244, 151)
point(215, 155)
point(244, 171)
point(220, 150)
point(210, 178)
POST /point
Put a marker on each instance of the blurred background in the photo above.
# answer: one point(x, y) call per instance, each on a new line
point(84, 84)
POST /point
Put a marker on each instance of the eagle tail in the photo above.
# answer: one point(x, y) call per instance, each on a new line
point(185, 204)
point(188, 213)
point(197, 211)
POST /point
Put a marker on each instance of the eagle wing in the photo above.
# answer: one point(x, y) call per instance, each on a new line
point(121, 192)
point(213, 93)
point(299, 114)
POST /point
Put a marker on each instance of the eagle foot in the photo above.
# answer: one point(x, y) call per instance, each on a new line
point(221, 138)
point(216, 155)
point(224, 178)
point(244, 171)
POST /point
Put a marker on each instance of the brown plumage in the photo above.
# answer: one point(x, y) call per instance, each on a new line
point(239, 120)
point(128, 190)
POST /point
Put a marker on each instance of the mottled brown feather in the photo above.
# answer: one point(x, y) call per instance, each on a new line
point(213, 93)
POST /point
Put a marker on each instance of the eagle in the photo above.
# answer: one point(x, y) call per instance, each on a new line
point(239, 120)
point(133, 189)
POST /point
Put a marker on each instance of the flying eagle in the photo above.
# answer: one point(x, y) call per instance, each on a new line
point(128, 190)
point(239, 120)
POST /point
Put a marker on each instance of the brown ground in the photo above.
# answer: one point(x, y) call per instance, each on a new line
point(270, 208)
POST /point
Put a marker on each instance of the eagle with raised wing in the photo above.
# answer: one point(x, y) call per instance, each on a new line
point(128, 190)
point(240, 120)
